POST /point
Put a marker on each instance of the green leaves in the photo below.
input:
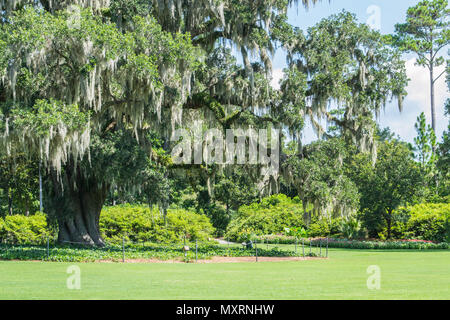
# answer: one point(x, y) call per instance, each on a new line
point(427, 221)
point(425, 143)
point(20, 229)
point(46, 116)
point(50, 129)
point(352, 72)
point(83, 66)
point(394, 180)
point(426, 31)
point(319, 176)
point(271, 216)
point(350, 228)
point(139, 223)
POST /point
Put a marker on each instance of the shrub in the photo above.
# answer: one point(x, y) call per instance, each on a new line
point(351, 228)
point(324, 228)
point(219, 217)
point(427, 221)
point(271, 216)
point(20, 229)
point(139, 223)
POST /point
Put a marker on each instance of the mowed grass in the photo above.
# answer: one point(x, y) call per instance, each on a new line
point(405, 274)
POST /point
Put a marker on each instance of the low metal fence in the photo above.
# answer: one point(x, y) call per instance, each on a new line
point(188, 249)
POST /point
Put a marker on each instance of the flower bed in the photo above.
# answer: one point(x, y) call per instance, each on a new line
point(402, 244)
point(355, 244)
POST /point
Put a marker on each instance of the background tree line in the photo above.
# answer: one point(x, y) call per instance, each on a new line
point(97, 102)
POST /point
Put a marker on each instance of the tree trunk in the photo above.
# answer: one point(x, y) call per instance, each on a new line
point(228, 207)
point(433, 111)
point(77, 208)
point(389, 224)
point(83, 225)
point(10, 204)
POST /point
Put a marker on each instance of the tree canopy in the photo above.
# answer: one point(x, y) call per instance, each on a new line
point(426, 32)
point(95, 91)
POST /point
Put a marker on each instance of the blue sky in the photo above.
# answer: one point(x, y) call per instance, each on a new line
point(389, 12)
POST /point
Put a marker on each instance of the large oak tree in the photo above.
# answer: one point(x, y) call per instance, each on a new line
point(89, 91)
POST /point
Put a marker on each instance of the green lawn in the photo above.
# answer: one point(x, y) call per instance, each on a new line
point(405, 274)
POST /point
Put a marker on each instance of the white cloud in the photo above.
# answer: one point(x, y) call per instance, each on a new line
point(416, 102)
point(419, 87)
point(277, 75)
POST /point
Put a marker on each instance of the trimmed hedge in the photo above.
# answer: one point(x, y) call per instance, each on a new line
point(277, 216)
point(132, 222)
point(137, 223)
point(353, 244)
point(426, 221)
point(281, 215)
point(20, 229)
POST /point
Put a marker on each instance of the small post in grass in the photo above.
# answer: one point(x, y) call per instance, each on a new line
point(303, 247)
point(320, 247)
point(123, 249)
point(196, 248)
point(256, 251)
point(310, 246)
point(327, 248)
point(48, 248)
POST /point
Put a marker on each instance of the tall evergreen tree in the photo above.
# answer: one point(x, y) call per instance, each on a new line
point(426, 32)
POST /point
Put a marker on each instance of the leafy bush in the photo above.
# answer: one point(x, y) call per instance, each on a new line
point(139, 223)
point(298, 232)
point(324, 228)
point(22, 229)
point(218, 216)
point(135, 223)
point(351, 228)
point(427, 221)
point(271, 216)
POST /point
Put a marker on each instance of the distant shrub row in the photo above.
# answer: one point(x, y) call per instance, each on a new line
point(138, 223)
point(276, 218)
point(351, 244)
point(280, 215)
point(134, 223)
point(20, 229)
point(271, 216)
point(427, 221)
